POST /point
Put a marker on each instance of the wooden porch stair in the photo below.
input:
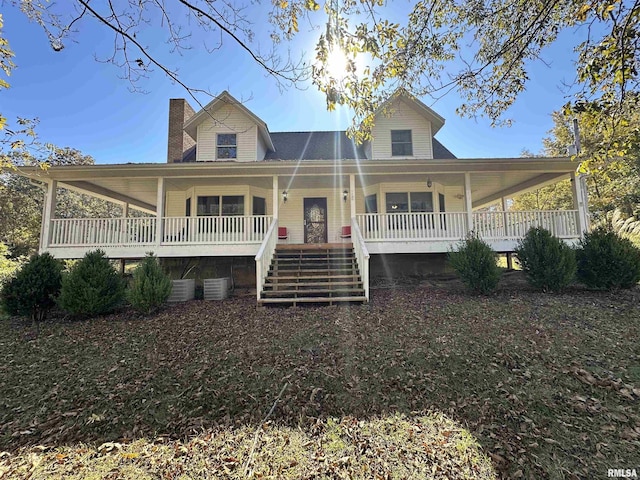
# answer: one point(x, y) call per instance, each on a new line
point(313, 273)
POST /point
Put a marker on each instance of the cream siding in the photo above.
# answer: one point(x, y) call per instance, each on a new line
point(228, 120)
point(403, 117)
point(454, 198)
point(262, 149)
point(175, 204)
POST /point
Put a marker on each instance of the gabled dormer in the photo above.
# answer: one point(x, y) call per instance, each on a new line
point(224, 130)
point(404, 129)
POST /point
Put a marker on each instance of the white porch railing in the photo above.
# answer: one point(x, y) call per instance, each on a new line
point(226, 229)
point(98, 232)
point(102, 232)
point(265, 255)
point(452, 226)
point(362, 255)
point(514, 225)
point(412, 226)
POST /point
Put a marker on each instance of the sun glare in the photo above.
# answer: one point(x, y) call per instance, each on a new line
point(337, 64)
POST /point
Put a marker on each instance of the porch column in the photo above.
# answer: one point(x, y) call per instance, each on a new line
point(49, 210)
point(467, 201)
point(124, 238)
point(160, 211)
point(580, 202)
point(505, 217)
point(352, 195)
point(276, 197)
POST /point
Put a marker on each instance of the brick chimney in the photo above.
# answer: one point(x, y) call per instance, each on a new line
point(179, 142)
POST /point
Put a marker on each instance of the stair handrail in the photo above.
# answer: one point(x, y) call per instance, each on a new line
point(362, 255)
point(265, 255)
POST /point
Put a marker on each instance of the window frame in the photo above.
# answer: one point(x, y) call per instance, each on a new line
point(228, 146)
point(220, 203)
point(402, 143)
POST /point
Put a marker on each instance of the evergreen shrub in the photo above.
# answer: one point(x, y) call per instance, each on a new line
point(150, 287)
point(92, 286)
point(548, 263)
point(607, 261)
point(32, 292)
point(475, 263)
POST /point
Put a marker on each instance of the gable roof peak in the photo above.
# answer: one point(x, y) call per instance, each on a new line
point(225, 98)
point(437, 121)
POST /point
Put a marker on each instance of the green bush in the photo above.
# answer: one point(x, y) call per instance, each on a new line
point(33, 290)
point(92, 286)
point(150, 287)
point(548, 262)
point(475, 263)
point(607, 261)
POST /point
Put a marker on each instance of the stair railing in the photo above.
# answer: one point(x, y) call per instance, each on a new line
point(265, 255)
point(362, 255)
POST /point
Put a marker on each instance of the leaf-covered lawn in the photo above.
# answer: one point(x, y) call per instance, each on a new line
point(549, 385)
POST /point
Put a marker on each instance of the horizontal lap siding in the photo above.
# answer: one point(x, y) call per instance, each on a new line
point(228, 120)
point(454, 198)
point(403, 117)
point(176, 203)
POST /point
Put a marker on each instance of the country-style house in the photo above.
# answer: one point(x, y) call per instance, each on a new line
point(311, 209)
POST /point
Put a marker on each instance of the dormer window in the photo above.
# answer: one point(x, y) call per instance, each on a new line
point(227, 146)
point(401, 145)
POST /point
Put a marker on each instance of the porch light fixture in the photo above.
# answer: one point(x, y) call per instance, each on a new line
point(345, 194)
point(429, 182)
point(284, 196)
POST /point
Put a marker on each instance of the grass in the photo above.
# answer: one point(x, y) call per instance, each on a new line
point(425, 381)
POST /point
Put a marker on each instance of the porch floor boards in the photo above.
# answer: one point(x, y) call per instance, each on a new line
point(313, 273)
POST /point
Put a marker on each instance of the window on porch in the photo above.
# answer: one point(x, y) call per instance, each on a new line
point(409, 202)
point(220, 206)
point(371, 204)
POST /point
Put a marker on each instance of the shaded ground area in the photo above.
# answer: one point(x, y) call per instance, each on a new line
point(548, 384)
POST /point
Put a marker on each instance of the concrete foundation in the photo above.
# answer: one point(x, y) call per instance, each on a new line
point(398, 265)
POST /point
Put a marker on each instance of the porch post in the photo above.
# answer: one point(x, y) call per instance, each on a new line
point(276, 197)
point(124, 237)
point(352, 195)
point(579, 202)
point(48, 213)
point(467, 201)
point(160, 210)
point(505, 217)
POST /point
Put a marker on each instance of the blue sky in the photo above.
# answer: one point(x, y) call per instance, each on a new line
point(82, 103)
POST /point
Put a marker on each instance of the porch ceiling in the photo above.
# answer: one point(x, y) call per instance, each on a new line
point(137, 183)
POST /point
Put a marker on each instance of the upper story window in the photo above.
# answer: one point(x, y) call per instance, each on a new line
point(227, 146)
point(401, 145)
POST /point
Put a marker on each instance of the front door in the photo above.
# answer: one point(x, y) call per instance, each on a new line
point(315, 220)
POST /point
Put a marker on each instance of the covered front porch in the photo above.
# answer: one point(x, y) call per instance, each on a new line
point(227, 209)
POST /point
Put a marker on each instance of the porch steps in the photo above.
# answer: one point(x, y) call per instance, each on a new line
point(320, 274)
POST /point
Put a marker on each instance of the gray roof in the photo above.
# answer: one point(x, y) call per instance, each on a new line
point(440, 152)
point(314, 146)
point(327, 146)
point(320, 146)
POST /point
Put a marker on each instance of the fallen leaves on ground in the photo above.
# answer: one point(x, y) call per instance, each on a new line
point(548, 384)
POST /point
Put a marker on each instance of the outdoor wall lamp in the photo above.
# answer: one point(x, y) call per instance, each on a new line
point(429, 182)
point(285, 195)
point(345, 194)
